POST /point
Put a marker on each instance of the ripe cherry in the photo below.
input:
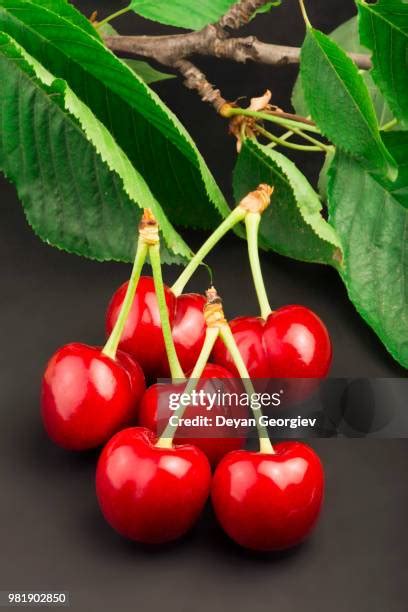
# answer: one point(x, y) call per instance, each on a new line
point(269, 502)
point(293, 342)
point(142, 337)
point(214, 441)
point(147, 493)
point(87, 396)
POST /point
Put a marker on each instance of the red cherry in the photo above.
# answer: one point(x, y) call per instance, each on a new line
point(269, 502)
point(292, 343)
point(142, 337)
point(215, 442)
point(149, 494)
point(248, 334)
point(297, 344)
point(86, 396)
point(188, 329)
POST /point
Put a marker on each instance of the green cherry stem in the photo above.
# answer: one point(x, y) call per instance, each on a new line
point(112, 343)
point(174, 364)
point(166, 439)
point(233, 219)
point(252, 221)
point(304, 13)
point(228, 339)
point(314, 141)
point(389, 125)
point(255, 200)
point(231, 111)
point(110, 18)
point(288, 144)
point(284, 136)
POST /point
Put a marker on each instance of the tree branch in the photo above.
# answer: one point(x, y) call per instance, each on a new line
point(240, 13)
point(196, 80)
point(168, 49)
point(214, 40)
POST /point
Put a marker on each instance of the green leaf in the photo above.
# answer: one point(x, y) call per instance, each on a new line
point(266, 8)
point(79, 190)
point(347, 37)
point(340, 104)
point(323, 175)
point(298, 99)
point(68, 12)
point(182, 13)
point(397, 142)
point(147, 72)
point(293, 224)
point(373, 229)
point(384, 30)
point(148, 132)
point(142, 69)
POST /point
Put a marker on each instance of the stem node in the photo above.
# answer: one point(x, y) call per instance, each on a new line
point(149, 228)
point(226, 110)
point(213, 311)
point(257, 201)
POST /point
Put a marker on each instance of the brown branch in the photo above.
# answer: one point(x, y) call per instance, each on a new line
point(176, 50)
point(240, 13)
point(168, 49)
point(196, 80)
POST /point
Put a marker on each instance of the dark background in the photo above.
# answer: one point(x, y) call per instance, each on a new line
point(52, 535)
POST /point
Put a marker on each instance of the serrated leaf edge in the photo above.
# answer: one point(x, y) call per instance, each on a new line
point(336, 243)
point(391, 164)
point(76, 110)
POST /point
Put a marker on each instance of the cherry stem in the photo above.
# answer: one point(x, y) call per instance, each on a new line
point(110, 18)
point(112, 343)
point(166, 439)
point(174, 364)
point(228, 339)
point(252, 221)
point(317, 146)
point(304, 14)
point(237, 215)
point(265, 116)
point(389, 125)
point(285, 136)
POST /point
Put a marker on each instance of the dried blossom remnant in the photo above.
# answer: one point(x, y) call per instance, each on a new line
point(246, 127)
point(149, 228)
point(213, 311)
point(240, 126)
point(263, 103)
point(257, 201)
point(260, 103)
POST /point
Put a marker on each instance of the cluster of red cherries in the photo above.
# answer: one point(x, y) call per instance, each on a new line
point(152, 490)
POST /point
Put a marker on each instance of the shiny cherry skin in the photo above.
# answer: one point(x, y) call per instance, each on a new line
point(269, 502)
point(292, 343)
point(297, 344)
point(142, 337)
point(155, 412)
point(248, 334)
point(188, 329)
point(149, 494)
point(86, 396)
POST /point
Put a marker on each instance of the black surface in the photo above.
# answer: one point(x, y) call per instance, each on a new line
point(52, 535)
